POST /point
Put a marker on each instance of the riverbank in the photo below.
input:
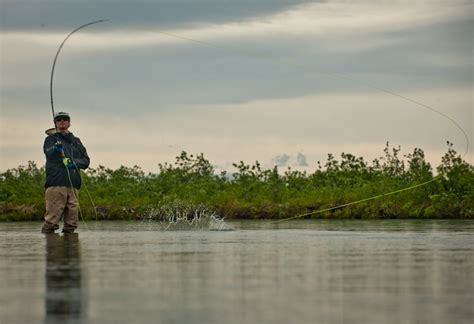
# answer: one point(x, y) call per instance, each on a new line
point(252, 192)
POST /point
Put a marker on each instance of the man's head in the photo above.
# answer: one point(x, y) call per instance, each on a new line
point(62, 121)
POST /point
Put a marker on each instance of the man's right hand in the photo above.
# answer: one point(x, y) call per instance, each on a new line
point(58, 146)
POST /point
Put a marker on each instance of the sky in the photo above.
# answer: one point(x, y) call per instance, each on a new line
point(281, 82)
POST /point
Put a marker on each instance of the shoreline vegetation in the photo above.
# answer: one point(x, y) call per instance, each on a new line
point(252, 192)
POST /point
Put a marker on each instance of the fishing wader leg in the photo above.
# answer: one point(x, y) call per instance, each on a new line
point(71, 216)
point(56, 198)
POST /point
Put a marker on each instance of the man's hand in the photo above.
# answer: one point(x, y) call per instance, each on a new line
point(68, 163)
point(58, 146)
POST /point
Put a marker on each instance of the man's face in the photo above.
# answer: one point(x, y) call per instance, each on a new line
point(62, 123)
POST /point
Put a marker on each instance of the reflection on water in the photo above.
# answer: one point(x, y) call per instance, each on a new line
point(296, 272)
point(63, 301)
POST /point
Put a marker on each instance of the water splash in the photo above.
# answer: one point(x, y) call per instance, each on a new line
point(182, 216)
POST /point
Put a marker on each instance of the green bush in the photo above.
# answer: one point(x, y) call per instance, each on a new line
point(254, 192)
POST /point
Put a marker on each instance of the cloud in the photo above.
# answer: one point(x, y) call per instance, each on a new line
point(281, 160)
point(267, 93)
point(301, 160)
point(361, 24)
point(357, 123)
point(55, 15)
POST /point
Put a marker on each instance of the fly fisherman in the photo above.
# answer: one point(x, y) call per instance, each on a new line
point(65, 155)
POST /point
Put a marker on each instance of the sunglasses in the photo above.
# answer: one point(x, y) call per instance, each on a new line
point(61, 119)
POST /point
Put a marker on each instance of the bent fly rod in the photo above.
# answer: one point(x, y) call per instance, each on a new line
point(53, 131)
point(57, 55)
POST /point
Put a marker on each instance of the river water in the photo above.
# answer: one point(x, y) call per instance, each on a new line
point(294, 272)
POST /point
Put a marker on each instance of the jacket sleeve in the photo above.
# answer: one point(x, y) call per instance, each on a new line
point(83, 161)
point(48, 148)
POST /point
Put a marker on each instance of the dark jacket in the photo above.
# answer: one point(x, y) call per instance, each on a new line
point(56, 173)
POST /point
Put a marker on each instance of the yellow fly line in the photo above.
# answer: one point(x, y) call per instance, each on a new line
point(357, 201)
point(346, 78)
point(334, 75)
point(76, 196)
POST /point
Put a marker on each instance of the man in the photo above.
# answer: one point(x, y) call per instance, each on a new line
point(65, 156)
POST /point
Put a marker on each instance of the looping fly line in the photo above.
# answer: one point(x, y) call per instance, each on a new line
point(333, 75)
point(354, 80)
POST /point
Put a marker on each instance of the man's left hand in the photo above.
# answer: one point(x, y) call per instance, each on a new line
point(68, 163)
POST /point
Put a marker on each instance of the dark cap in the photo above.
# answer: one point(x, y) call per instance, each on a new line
point(61, 114)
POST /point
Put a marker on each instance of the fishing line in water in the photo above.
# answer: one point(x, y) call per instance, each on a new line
point(353, 80)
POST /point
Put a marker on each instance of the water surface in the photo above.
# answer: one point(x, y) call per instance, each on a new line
point(294, 272)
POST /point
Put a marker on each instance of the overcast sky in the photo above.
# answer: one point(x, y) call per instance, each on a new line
point(281, 82)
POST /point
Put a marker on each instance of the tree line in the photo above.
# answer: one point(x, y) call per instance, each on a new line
point(253, 192)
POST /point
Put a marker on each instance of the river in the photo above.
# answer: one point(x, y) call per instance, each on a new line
point(393, 271)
